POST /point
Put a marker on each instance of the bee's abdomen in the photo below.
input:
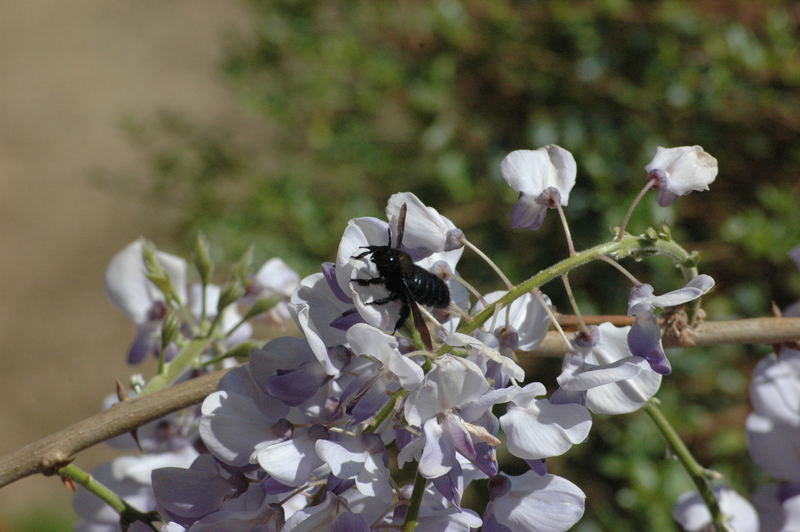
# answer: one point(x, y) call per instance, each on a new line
point(428, 289)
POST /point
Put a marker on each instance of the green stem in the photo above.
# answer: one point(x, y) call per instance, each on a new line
point(698, 474)
point(410, 524)
point(127, 513)
point(185, 360)
point(386, 411)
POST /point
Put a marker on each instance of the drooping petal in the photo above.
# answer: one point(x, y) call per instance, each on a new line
point(644, 340)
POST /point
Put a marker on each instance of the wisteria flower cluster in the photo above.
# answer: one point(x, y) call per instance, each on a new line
point(357, 424)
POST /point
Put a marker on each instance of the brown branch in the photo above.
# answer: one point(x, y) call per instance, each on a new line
point(55, 451)
point(52, 452)
point(748, 331)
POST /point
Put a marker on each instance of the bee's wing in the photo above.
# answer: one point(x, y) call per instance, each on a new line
point(419, 321)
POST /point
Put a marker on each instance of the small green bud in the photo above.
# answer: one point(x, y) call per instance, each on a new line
point(151, 260)
point(202, 259)
point(230, 294)
point(261, 306)
point(241, 269)
point(169, 329)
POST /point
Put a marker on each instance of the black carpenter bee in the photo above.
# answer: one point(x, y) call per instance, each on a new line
point(405, 281)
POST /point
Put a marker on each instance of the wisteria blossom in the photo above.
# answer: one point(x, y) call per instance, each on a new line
point(602, 373)
point(679, 171)
point(644, 338)
point(543, 178)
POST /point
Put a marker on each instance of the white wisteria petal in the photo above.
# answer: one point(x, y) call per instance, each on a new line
point(775, 387)
point(687, 168)
point(452, 382)
point(542, 429)
point(344, 463)
point(528, 317)
point(774, 446)
point(615, 381)
point(532, 171)
point(424, 227)
point(277, 278)
point(464, 340)
point(289, 462)
point(693, 515)
point(128, 287)
point(539, 503)
point(366, 340)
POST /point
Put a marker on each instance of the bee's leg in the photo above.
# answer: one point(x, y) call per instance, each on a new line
point(383, 300)
point(367, 282)
point(404, 311)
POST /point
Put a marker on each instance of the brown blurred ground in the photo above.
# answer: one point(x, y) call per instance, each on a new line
point(68, 73)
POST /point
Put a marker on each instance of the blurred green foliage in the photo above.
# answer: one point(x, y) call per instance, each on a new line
point(347, 102)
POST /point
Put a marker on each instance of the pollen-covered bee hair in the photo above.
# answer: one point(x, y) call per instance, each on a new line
point(405, 281)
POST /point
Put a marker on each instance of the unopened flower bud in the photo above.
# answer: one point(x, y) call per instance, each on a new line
point(202, 259)
point(454, 239)
point(170, 328)
point(229, 295)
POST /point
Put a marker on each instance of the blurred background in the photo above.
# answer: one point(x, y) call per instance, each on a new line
point(273, 123)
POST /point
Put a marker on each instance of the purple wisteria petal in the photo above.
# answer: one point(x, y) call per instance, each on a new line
point(316, 307)
point(528, 213)
point(329, 273)
point(451, 485)
point(537, 504)
point(644, 340)
point(251, 511)
point(296, 386)
point(315, 518)
point(186, 495)
point(348, 522)
point(438, 455)
point(233, 425)
point(693, 515)
point(453, 429)
point(147, 339)
point(778, 507)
